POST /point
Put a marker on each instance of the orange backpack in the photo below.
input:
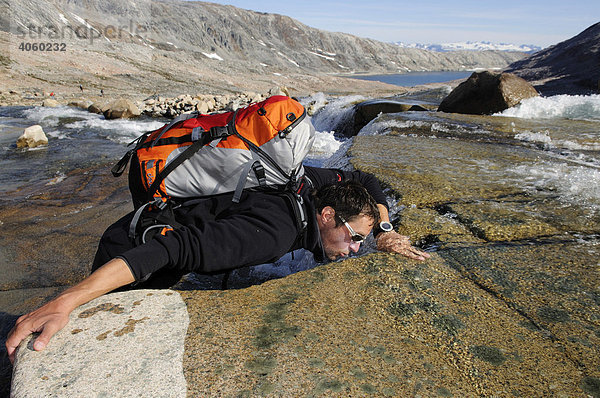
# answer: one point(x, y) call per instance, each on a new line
point(260, 146)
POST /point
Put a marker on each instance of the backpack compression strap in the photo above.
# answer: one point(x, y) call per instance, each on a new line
point(208, 136)
point(184, 116)
point(259, 171)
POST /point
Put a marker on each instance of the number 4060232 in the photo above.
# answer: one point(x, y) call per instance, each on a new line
point(43, 46)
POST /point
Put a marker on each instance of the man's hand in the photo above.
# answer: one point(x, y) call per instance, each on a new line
point(46, 320)
point(395, 243)
point(53, 316)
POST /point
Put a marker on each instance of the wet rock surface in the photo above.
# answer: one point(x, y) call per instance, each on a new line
point(528, 251)
point(379, 325)
point(508, 306)
point(59, 223)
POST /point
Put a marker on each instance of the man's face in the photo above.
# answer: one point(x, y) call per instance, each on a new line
point(337, 241)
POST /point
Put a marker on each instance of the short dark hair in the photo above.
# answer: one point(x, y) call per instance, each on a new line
point(349, 199)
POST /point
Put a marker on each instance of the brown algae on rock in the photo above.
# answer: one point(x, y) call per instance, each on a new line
point(108, 307)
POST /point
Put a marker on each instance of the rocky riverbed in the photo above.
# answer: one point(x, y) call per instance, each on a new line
point(507, 306)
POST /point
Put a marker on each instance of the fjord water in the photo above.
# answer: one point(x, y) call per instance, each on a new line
point(411, 79)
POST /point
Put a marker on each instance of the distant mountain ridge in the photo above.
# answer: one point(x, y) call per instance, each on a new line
point(473, 46)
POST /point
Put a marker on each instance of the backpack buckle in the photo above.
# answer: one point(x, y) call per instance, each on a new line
point(283, 133)
point(217, 132)
point(160, 203)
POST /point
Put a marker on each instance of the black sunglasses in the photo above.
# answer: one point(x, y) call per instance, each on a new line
point(355, 236)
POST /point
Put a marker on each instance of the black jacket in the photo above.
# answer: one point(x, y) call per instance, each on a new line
point(219, 235)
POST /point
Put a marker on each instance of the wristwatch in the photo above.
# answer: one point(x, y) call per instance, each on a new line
point(383, 226)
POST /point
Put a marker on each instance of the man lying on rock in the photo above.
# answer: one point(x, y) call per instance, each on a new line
point(218, 235)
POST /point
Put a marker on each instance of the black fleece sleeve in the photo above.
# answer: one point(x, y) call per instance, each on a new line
point(321, 177)
point(258, 232)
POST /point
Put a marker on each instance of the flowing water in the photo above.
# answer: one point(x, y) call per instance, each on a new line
point(557, 140)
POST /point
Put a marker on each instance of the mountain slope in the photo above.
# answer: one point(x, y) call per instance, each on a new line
point(569, 67)
point(189, 40)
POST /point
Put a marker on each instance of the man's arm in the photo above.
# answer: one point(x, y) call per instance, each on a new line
point(53, 316)
point(394, 242)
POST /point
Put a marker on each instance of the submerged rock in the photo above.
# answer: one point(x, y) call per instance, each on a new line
point(366, 111)
point(484, 93)
point(32, 137)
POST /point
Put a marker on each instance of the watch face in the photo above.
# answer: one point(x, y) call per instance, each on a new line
point(385, 226)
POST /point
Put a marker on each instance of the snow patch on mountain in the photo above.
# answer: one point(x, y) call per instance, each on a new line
point(472, 46)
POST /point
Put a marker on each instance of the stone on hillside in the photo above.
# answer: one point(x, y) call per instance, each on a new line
point(259, 97)
point(97, 108)
point(82, 103)
point(32, 137)
point(119, 345)
point(484, 93)
point(202, 107)
point(283, 90)
point(50, 103)
point(121, 108)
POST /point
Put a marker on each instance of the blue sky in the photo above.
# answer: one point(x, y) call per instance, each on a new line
point(536, 22)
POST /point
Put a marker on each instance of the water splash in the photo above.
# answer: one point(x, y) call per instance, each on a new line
point(330, 114)
point(574, 184)
point(578, 107)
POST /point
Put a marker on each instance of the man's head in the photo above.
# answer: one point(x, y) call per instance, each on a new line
point(345, 211)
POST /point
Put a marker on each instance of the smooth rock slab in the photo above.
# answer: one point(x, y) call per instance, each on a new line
point(119, 345)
